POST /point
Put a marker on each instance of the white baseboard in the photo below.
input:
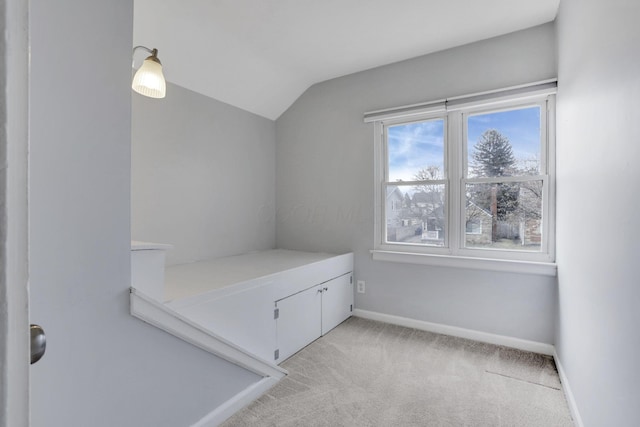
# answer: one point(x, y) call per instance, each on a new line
point(237, 402)
point(568, 394)
point(533, 346)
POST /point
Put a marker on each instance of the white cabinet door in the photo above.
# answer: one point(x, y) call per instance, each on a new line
point(337, 302)
point(298, 321)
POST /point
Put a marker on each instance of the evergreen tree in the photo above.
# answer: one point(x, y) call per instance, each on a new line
point(493, 157)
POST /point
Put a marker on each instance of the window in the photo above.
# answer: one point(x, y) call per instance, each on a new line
point(474, 223)
point(468, 178)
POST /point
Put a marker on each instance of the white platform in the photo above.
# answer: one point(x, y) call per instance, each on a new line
point(237, 297)
point(212, 276)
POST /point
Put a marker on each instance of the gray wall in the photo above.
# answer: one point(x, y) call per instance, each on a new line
point(598, 148)
point(102, 367)
point(203, 176)
point(324, 177)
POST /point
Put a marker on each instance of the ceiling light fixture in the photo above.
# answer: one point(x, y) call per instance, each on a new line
point(148, 80)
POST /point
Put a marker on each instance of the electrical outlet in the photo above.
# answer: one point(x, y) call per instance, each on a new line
point(361, 287)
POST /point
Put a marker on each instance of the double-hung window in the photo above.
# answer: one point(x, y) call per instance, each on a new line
point(468, 181)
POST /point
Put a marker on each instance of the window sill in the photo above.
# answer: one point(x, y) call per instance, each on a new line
point(509, 266)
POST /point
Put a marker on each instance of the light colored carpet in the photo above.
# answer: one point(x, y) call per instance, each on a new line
point(366, 373)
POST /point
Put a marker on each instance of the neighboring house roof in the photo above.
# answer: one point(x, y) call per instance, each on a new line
point(478, 208)
point(394, 191)
point(424, 197)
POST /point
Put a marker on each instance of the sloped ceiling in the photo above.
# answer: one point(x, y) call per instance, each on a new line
point(261, 55)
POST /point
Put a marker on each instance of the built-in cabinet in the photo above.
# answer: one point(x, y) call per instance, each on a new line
point(337, 302)
point(271, 304)
point(305, 316)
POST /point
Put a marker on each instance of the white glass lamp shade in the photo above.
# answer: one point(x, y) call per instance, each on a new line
point(149, 80)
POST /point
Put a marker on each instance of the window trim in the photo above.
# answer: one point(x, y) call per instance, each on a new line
point(476, 263)
point(454, 111)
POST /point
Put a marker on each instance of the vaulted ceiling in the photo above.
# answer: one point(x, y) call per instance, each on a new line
point(261, 55)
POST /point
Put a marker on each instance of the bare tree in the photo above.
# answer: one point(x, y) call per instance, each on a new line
point(530, 197)
point(429, 198)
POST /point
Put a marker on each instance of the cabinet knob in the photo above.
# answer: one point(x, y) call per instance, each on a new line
point(325, 289)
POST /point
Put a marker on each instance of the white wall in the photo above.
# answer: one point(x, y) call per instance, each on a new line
point(325, 193)
point(102, 367)
point(598, 148)
point(203, 176)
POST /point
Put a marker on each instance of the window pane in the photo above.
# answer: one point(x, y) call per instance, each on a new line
point(415, 214)
point(504, 215)
point(416, 151)
point(504, 143)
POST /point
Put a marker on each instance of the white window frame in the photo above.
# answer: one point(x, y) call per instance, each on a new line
point(455, 111)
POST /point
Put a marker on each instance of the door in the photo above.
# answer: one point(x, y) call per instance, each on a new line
point(337, 302)
point(14, 320)
point(298, 321)
point(79, 212)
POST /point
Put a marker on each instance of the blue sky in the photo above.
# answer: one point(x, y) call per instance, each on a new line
point(521, 127)
point(415, 146)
